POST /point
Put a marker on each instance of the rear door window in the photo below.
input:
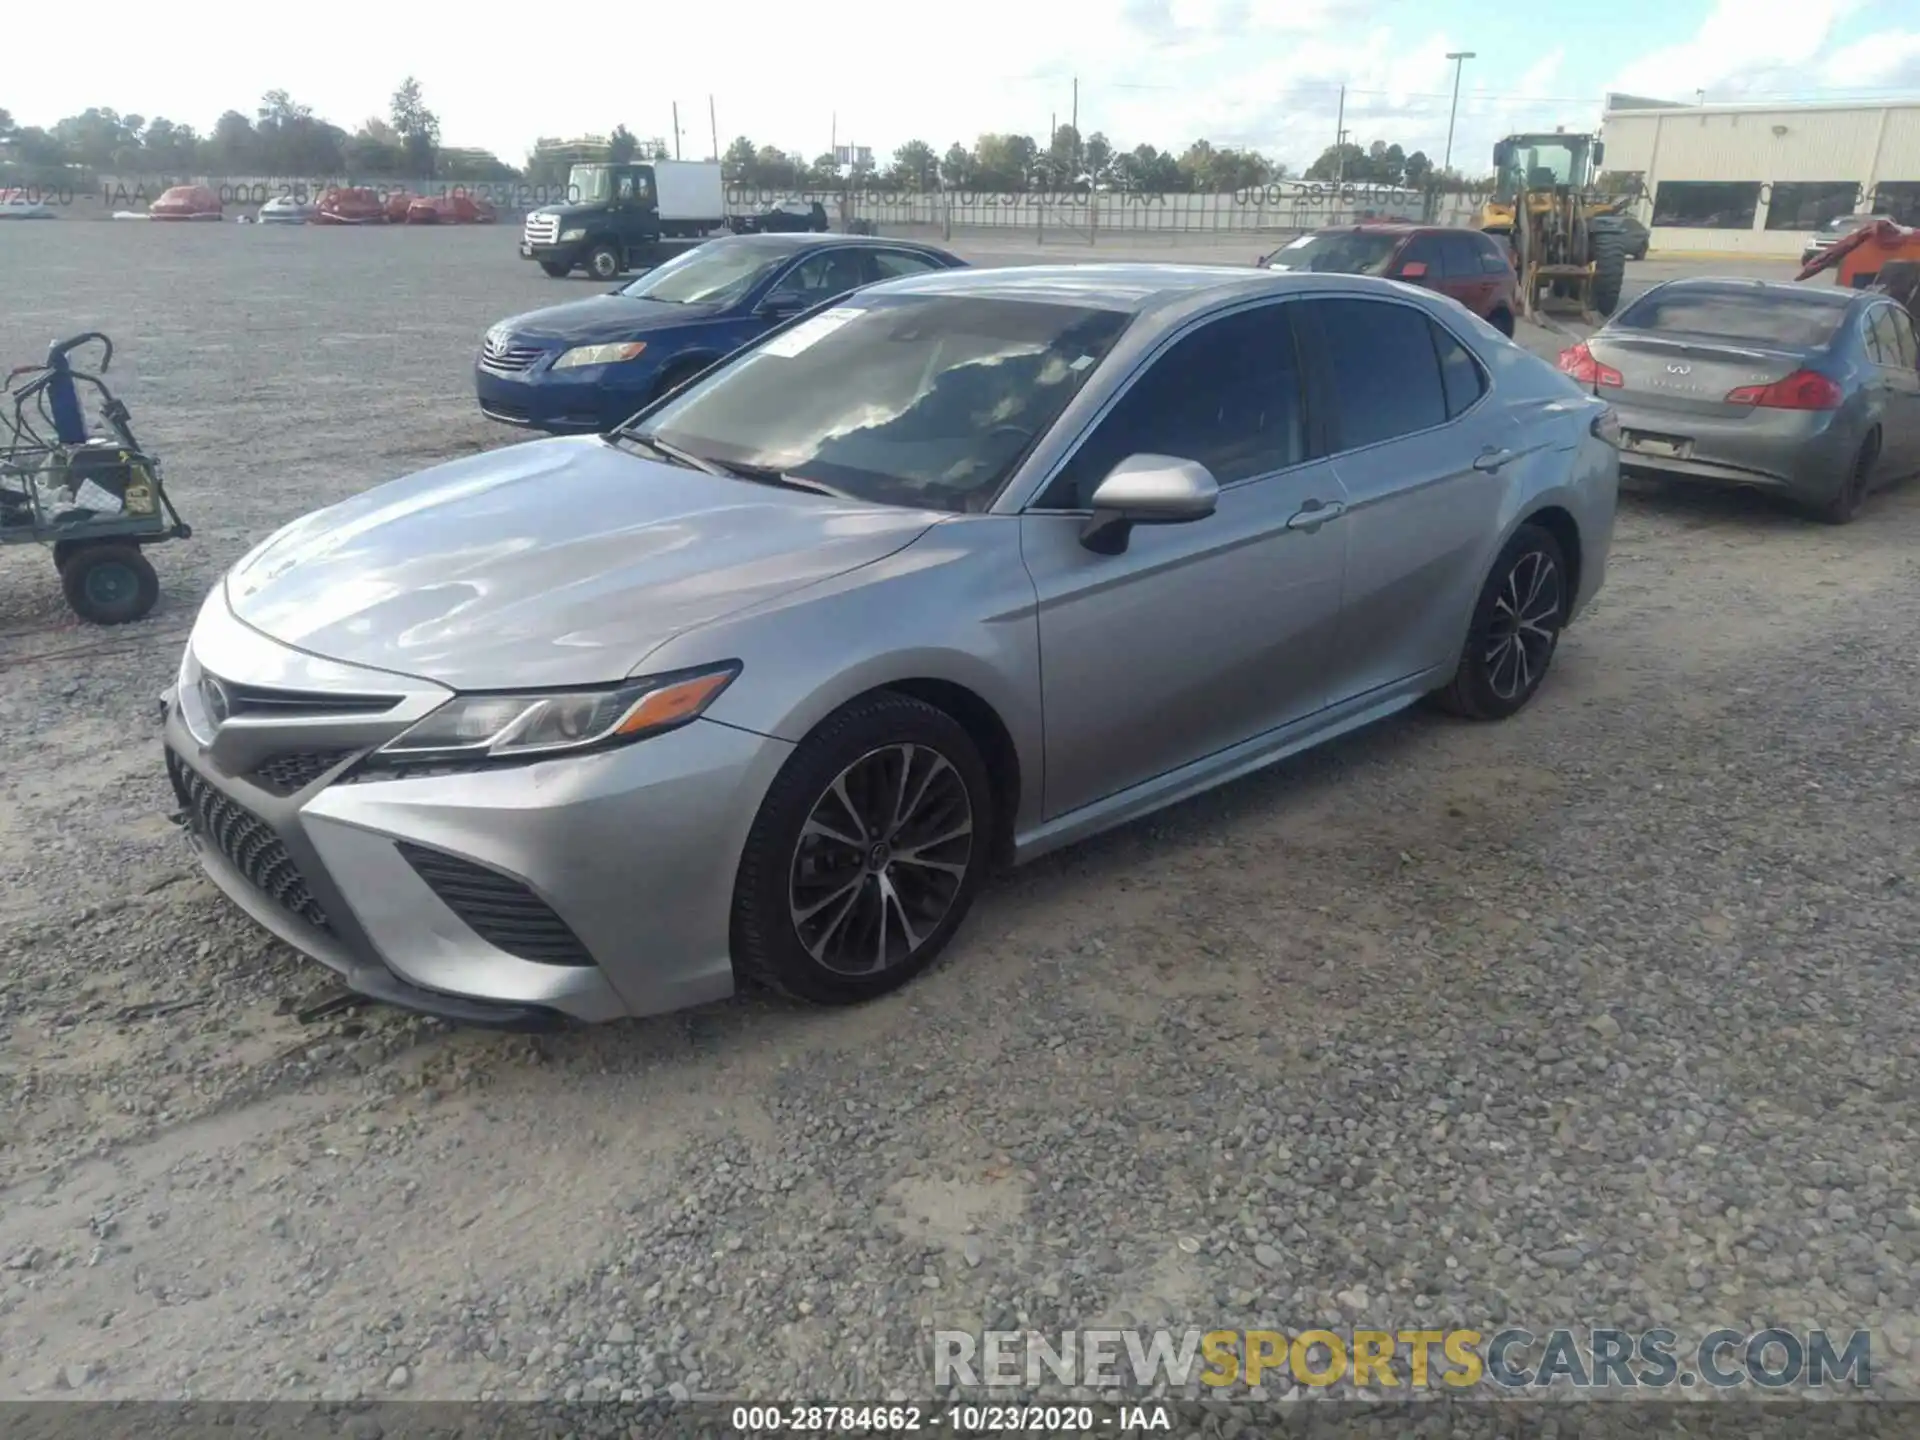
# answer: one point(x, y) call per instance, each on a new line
point(1493, 257)
point(1382, 367)
point(1905, 338)
point(1883, 340)
point(891, 264)
point(1460, 374)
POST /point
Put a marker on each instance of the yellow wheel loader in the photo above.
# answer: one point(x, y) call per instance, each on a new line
point(1569, 242)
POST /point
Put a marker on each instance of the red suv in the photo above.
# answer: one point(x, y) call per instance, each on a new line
point(1468, 266)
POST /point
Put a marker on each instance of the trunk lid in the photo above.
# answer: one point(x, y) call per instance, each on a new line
point(1690, 375)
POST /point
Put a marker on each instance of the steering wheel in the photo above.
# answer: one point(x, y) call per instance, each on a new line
point(1019, 432)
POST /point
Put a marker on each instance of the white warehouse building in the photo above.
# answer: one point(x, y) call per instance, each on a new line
point(1756, 179)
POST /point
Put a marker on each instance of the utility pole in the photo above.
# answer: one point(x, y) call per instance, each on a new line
point(1459, 58)
point(1075, 123)
point(676, 129)
point(714, 122)
point(1339, 139)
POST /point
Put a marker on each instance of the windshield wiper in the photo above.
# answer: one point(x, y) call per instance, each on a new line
point(774, 475)
point(671, 452)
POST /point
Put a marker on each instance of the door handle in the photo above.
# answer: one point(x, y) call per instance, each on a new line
point(1491, 459)
point(1315, 513)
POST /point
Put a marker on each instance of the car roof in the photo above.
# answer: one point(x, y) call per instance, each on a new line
point(1133, 288)
point(808, 239)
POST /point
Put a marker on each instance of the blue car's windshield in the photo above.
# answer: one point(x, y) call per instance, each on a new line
point(924, 400)
point(721, 272)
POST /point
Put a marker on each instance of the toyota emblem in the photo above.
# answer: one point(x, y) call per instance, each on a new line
point(213, 695)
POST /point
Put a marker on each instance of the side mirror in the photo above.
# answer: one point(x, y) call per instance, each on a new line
point(780, 305)
point(1412, 270)
point(1147, 490)
point(1599, 154)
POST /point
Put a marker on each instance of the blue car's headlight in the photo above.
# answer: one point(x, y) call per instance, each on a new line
point(599, 354)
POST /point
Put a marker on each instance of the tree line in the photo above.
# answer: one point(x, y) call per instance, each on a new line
point(1010, 163)
point(281, 137)
point(284, 137)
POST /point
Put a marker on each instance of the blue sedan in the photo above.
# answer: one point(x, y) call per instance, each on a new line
point(589, 364)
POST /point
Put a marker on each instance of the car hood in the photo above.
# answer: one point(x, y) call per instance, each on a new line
point(604, 317)
point(557, 562)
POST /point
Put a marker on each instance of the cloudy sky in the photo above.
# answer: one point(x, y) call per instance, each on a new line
point(1260, 73)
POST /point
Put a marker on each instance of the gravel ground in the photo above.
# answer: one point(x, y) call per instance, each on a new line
point(1601, 1016)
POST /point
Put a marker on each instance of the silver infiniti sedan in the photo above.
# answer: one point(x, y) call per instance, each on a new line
point(962, 569)
point(1811, 392)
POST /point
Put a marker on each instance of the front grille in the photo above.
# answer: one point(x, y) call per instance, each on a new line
point(503, 357)
point(286, 704)
point(292, 772)
point(541, 230)
point(497, 908)
point(247, 841)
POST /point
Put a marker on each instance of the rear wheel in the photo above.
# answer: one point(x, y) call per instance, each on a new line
point(109, 584)
point(1502, 320)
point(1609, 271)
point(603, 262)
point(556, 269)
point(1854, 485)
point(1515, 629)
point(866, 854)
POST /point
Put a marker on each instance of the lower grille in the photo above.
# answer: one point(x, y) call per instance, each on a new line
point(292, 772)
point(247, 841)
point(497, 908)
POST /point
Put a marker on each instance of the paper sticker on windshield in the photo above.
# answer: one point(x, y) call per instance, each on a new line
point(810, 333)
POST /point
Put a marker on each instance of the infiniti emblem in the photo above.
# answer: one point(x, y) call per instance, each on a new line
point(1679, 369)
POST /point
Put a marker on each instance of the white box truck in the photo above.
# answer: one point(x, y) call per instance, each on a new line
point(626, 216)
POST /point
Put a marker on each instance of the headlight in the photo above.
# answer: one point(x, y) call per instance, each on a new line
point(507, 727)
point(599, 354)
point(566, 235)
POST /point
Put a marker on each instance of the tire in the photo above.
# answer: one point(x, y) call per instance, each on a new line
point(676, 375)
point(555, 269)
point(109, 584)
point(1502, 320)
point(1490, 684)
point(604, 263)
point(786, 932)
point(1609, 271)
point(1845, 505)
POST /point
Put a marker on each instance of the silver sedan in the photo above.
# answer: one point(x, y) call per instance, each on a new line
point(962, 569)
point(1811, 392)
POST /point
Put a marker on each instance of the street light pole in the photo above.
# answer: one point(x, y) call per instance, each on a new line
point(1459, 58)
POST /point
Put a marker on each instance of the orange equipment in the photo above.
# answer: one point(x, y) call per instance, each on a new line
point(1865, 253)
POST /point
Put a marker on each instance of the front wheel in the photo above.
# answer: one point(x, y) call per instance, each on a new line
point(555, 269)
point(603, 262)
point(866, 854)
point(1515, 629)
point(109, 584)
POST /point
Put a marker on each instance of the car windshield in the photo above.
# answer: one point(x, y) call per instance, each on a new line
point(1777, 318)
point(1345, 252)
point(921, 400)
point(713, 274)
point(1847, 224)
